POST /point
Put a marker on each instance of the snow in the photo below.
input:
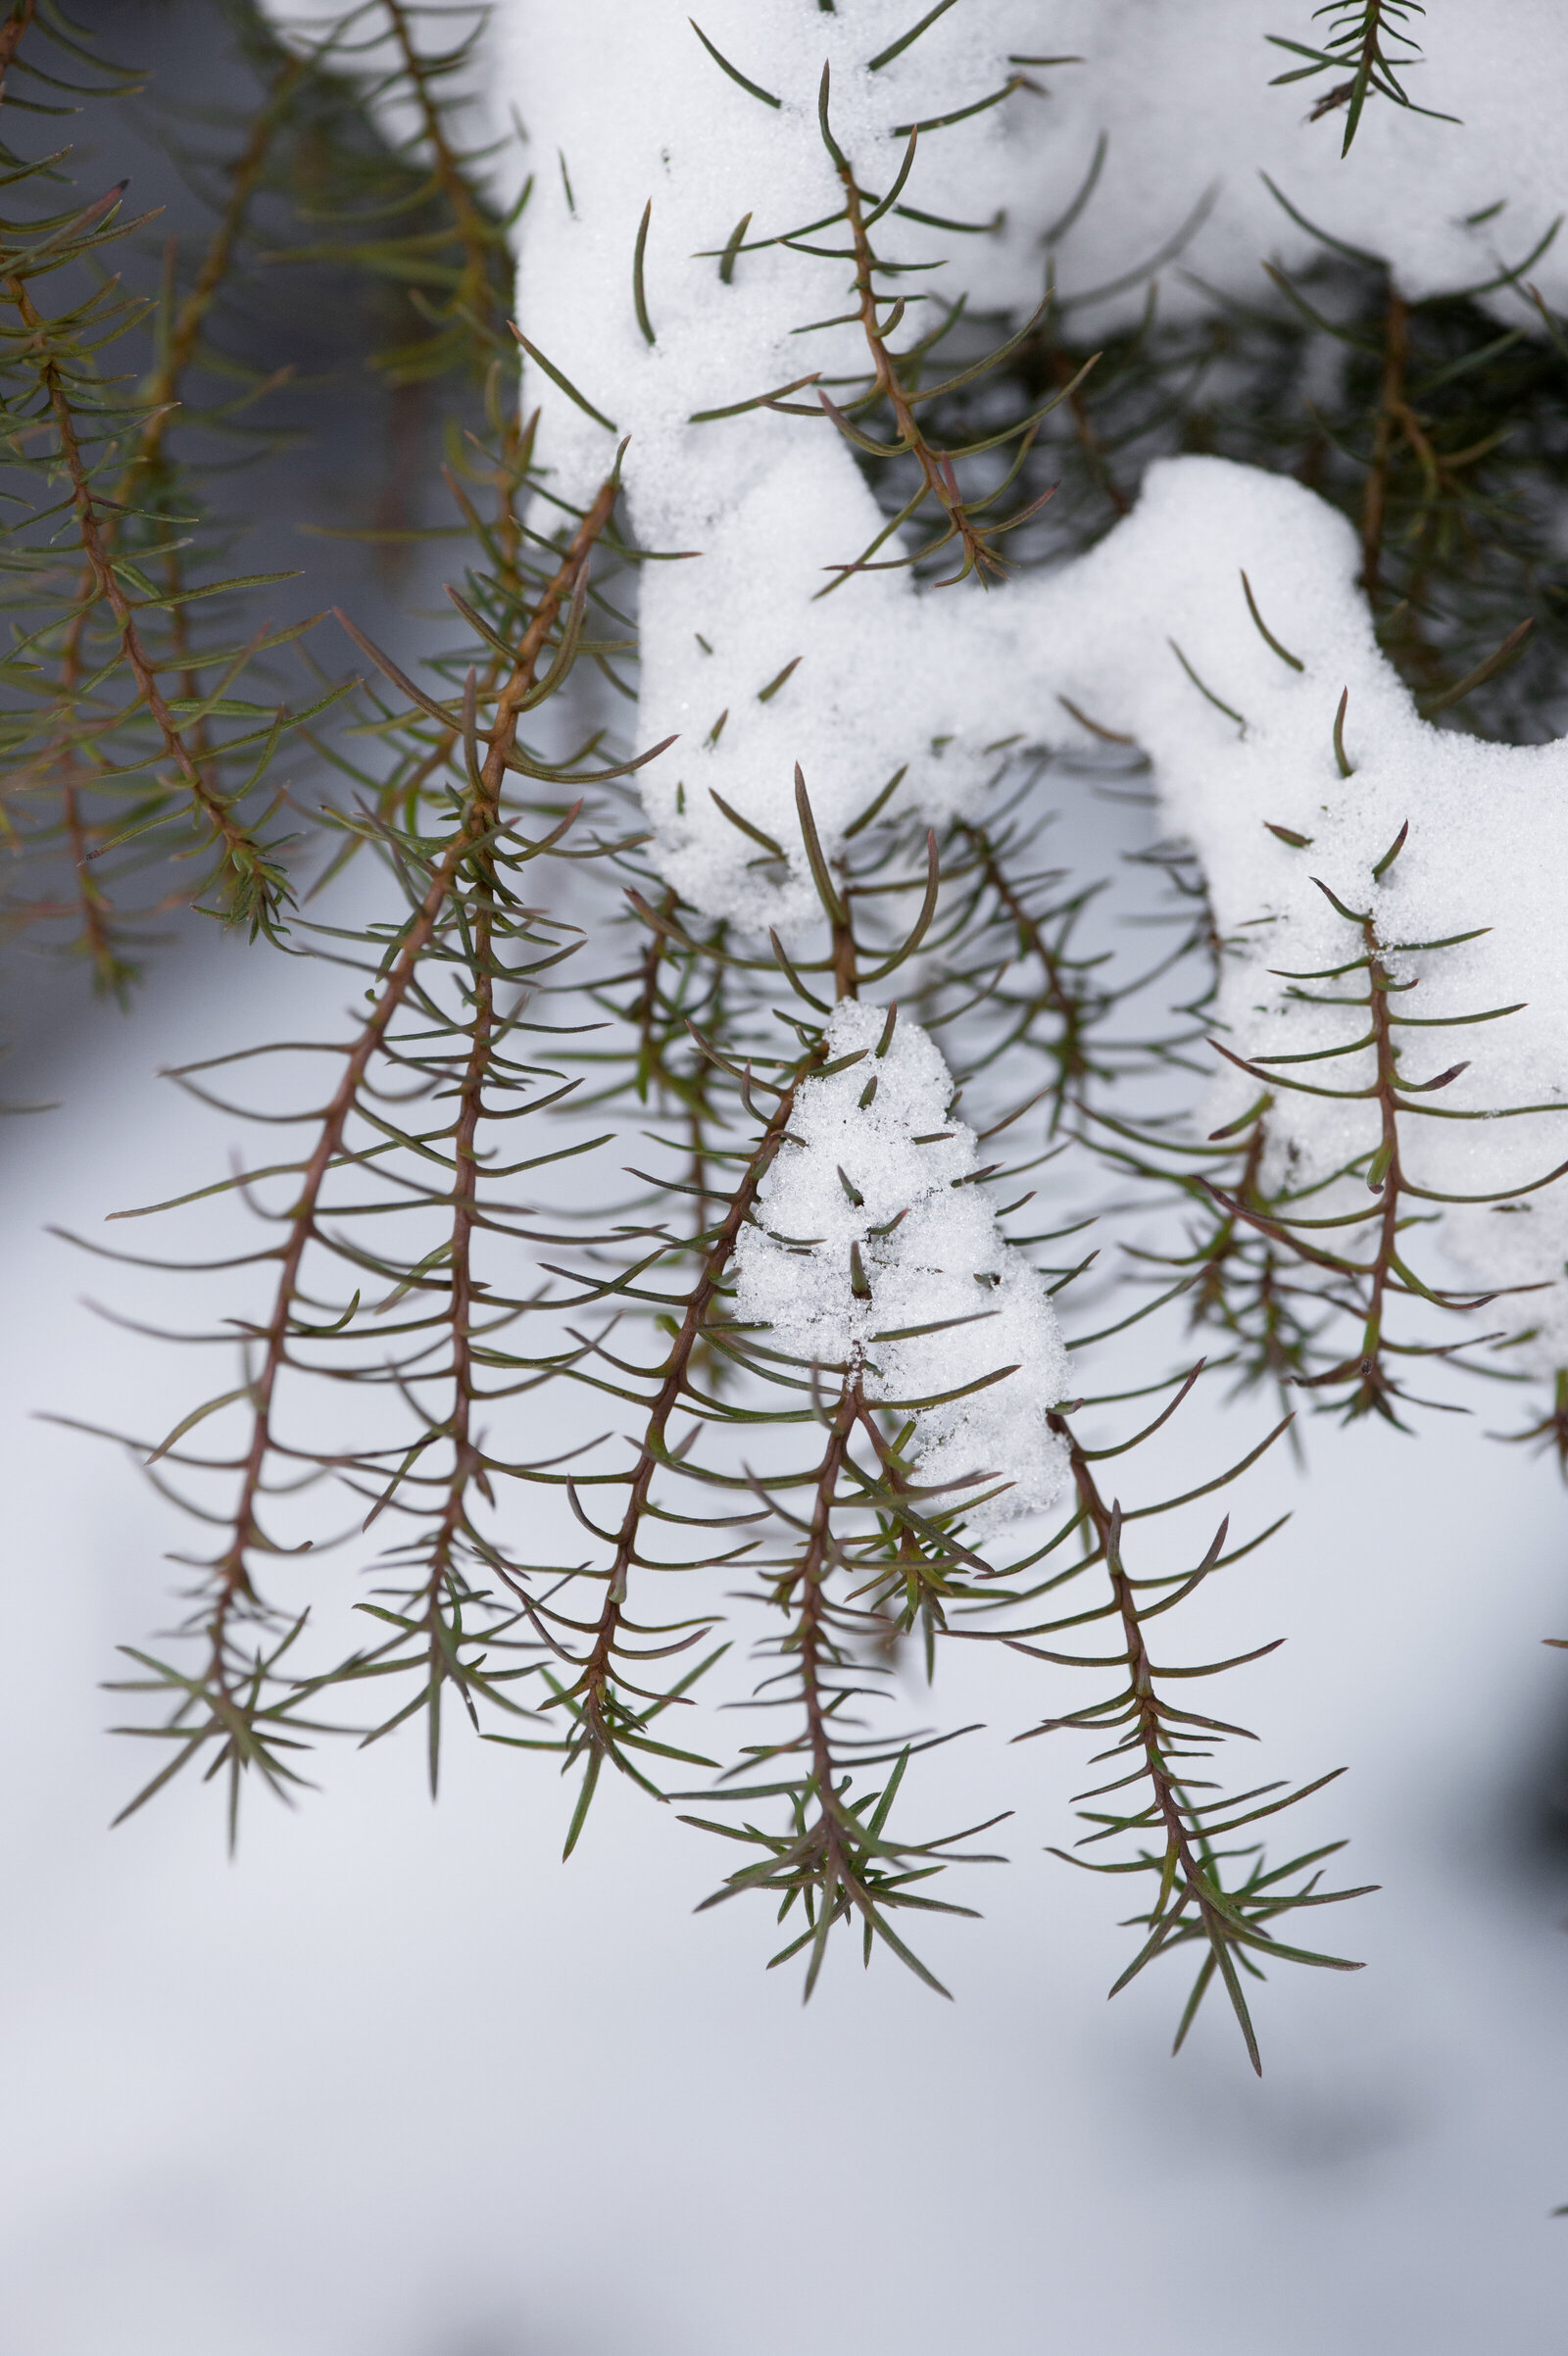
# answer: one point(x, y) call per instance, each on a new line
point(893, 1180)
point(769, 500)
point(1180, 90)
point(1488, 847)
point(882, 680)
point(886, 678)
point(1180, 93)
point(627, 108)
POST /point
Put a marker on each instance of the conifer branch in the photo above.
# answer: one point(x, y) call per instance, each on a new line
point(255, 891)
point(1192, 1904)
point(232, 1688)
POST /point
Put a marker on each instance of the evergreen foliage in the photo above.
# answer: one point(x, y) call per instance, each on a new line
point(532, 1000)
point(1370, 37)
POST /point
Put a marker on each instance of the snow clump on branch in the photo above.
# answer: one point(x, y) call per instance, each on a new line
point(874, 1247)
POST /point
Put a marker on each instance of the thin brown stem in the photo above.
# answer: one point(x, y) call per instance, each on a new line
point(1063, 1000)
point(1096, 464)
point(1374, 1385)
point(233, 1584)
point(1395, 423)
point(255, 884)
point(474, 233)
point(594, 1681)
point(846, 951)
point(645, 1007)
point(934, 464)
point(245, 179)
point(803, 1590)
point(1391, 412)
point(109, 967)
point(1209, 1299)
point(467, 1460)
point(922, 1583)
point(1187, 1878)
point(517, 451)
point(60, 756)
point(460, 1298)
point(11, 33)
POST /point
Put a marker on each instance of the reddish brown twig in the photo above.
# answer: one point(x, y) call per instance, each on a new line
point(232, 1586)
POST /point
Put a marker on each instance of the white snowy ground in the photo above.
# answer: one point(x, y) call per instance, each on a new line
point(398, 2083)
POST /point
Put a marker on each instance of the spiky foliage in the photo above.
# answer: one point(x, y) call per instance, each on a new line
point(148, 704)
point(1367, 37)
point(413, 213)
point(523, 1398)
point(129, 714)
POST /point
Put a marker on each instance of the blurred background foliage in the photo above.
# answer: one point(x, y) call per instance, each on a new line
point(262, 347)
